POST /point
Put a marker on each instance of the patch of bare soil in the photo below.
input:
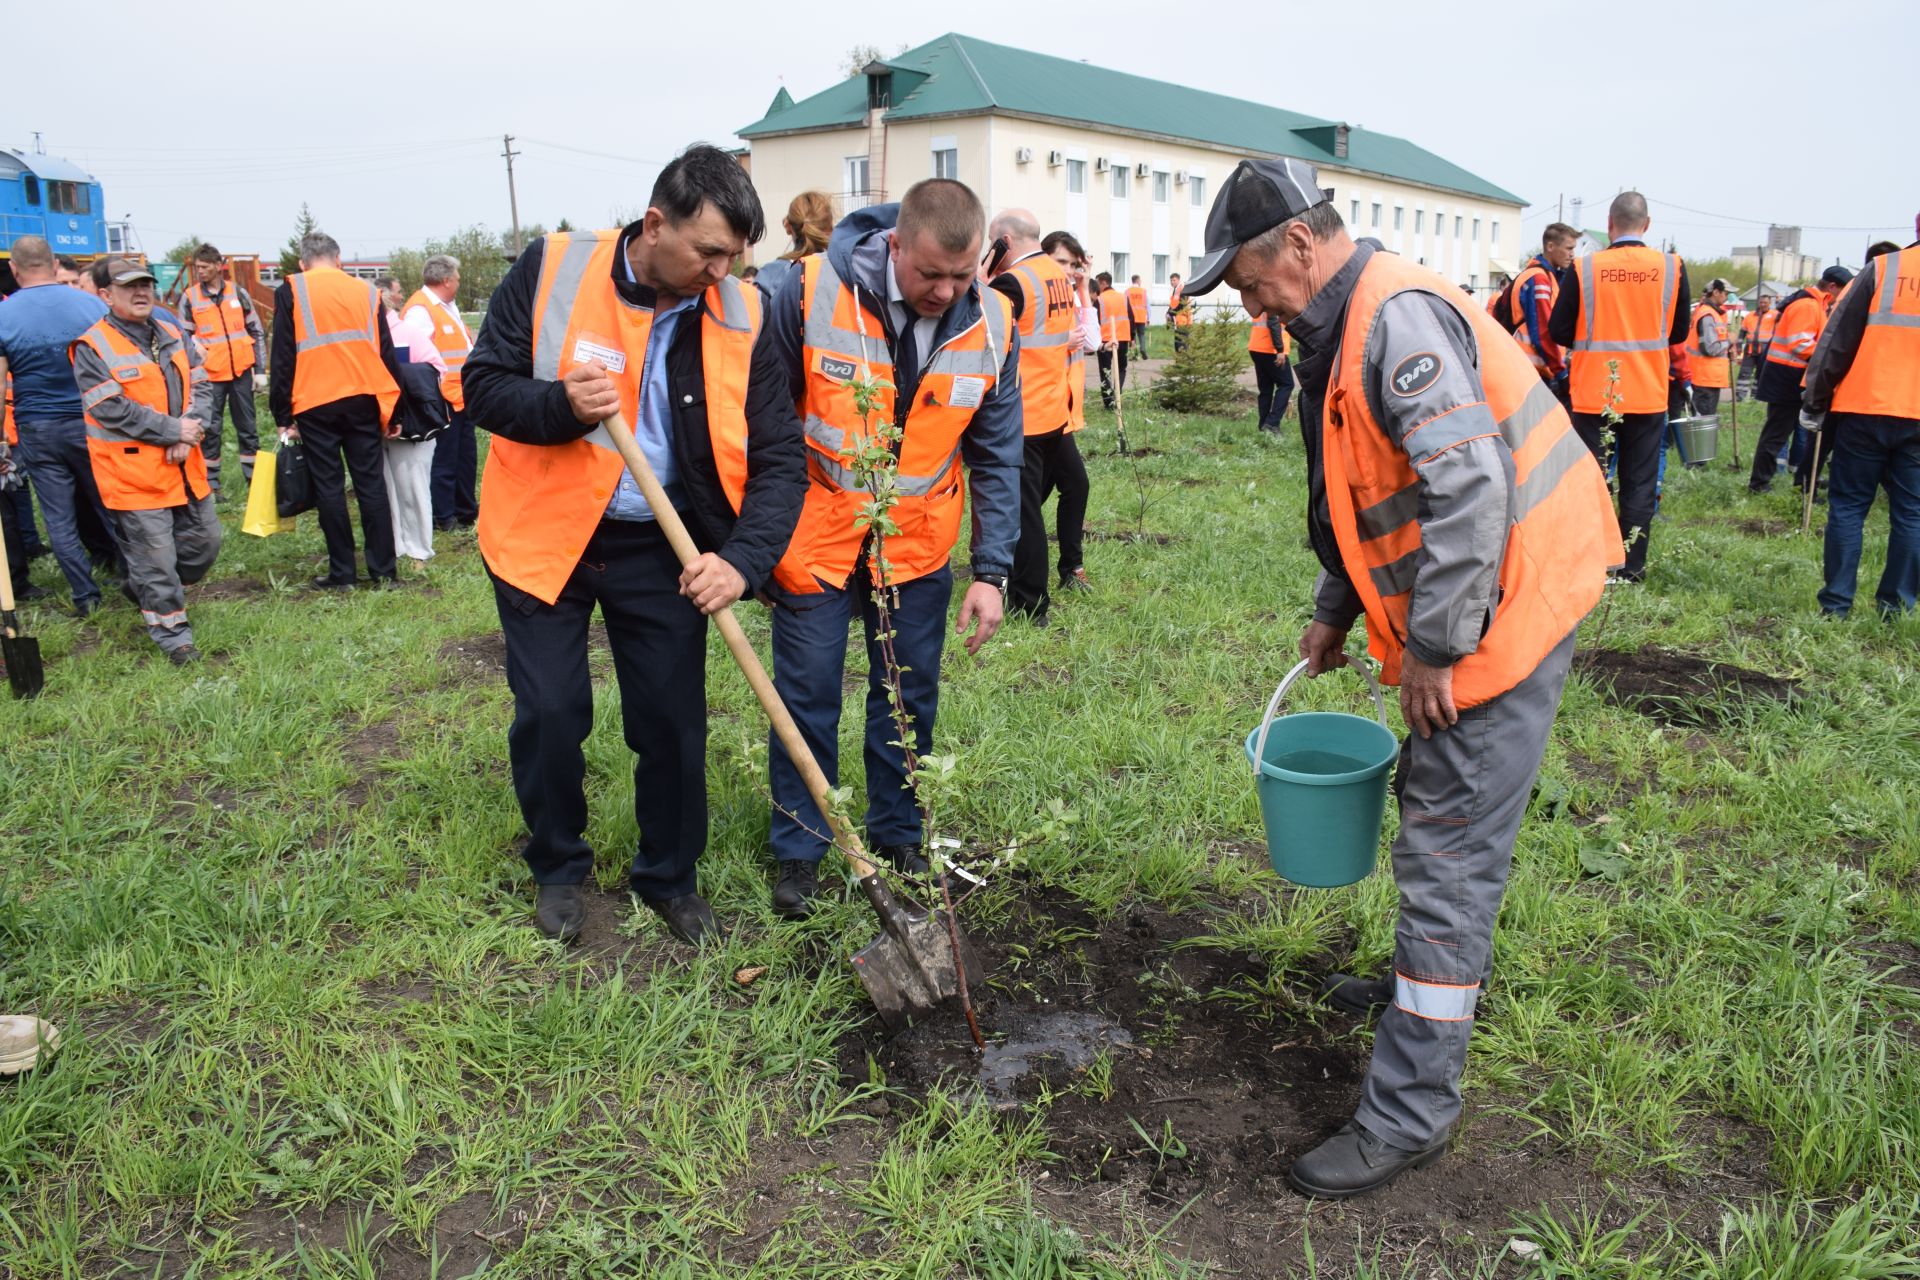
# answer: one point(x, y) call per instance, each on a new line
point(466, 1237)
point(1096, 533)
point(482, 659)
point(370, 746)
point(1177, 1085)
point(229, 589)
point(1677, 688)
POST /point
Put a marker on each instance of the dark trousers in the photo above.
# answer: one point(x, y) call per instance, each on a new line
point(1639, 444)
point(233, 396)
point(659, 643)
point(18, 575)
point(16, 507)
point(456, 460)
point(1179, 338)
point(1108, 387)
point(1051, 459)
point(1869, 453)
point(1774, 434)
point(1274, 376)
point(1069, 475)
point(56, 457)
point(326, 445)
point(809, 665)
point(1706, 401)
point(1140, 339)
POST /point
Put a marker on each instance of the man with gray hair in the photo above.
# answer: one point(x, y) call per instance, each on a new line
point(333, 385)
point(433, 313)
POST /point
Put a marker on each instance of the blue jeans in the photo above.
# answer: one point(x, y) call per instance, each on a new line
point(456, 462)
point(1867, 453)
point(62, 470)
point(809, 664)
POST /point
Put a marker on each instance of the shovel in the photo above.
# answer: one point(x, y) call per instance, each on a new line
point(25, 671)
point(920, 960)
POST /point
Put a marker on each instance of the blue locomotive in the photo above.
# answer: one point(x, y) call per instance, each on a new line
point(42, 195)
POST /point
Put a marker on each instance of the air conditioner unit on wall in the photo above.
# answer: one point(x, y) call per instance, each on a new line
point(1100, 164)
point(1142, 170)
point(1179, 177)
point(1023, 155)
point(1056, 158)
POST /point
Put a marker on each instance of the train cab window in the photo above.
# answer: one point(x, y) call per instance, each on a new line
point(68, 197)
point(31, 184)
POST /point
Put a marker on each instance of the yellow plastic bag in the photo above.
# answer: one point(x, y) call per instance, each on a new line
point(263, 513)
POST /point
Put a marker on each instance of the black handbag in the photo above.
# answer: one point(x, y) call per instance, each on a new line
point(423, 412)
point(292, 481)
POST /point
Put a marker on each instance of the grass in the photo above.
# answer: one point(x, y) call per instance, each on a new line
point(274, 905)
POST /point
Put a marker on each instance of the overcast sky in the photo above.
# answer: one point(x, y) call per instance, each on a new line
point(391, 130)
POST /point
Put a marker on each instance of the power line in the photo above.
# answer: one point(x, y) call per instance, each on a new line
point(1726, 218)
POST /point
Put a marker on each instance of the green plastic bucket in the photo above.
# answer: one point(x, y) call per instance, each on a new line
point(1699, 439)
point(1322, 778)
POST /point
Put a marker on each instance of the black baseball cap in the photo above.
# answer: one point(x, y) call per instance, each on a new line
point(1257, 196)
point(1836, 275)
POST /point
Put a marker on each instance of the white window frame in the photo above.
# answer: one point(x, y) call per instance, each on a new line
point(1162, 187)
point(1375, 224)
point(1162, 267)
point(946, 145)
point(1197, 189)
point(1076, 169)
point(855, 197)
point(1120, 181)
point(1122, 268)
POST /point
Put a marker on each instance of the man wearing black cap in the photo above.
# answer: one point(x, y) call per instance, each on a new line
point(1783, 367)
point(1451, 502)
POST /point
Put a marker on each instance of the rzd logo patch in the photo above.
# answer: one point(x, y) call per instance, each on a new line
point(1416, 373)
point(837, 369)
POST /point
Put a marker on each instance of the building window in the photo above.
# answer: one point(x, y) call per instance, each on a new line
point(1197, 188)
point(1120, 261)
point(1419, 221)
point(68, 197)
point(31, 185)
point(1326, 193)
point(1162, 186)
point(1119, 182)
point(1354, 221)
point(1458, 223)
point(857, 197)
point(1399, 216)
point(1476, 231)
point(1376, 215)
point(946, 164)
point(1162, 264)
point(1076, 177)
point(1493, 232)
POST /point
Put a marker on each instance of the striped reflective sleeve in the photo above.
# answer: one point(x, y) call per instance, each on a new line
point(1435, 1001)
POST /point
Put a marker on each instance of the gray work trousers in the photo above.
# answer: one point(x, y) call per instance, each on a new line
point(1464, 793)
point(235, 394)
point(166, 549)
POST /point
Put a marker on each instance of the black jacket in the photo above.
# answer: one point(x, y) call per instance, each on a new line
point(504, 397)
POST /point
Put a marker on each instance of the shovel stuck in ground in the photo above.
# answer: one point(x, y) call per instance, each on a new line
point(25, 672)
point(921, 960)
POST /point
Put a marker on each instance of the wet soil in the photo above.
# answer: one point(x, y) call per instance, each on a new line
point(1679, 689)
point(229, 589)
point(482, 658)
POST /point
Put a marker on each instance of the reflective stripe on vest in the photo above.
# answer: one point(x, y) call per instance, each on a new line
point(1561, 533)
point(134, 475)
point(844, 341)
point(1708, 371)
point(1532, 271)
point(1885, 375)
point(453, 347)
point(339, 356)
point(539, 504)
point(1435, 1001)
point(1049, 318)
point(227, 350)
point(1639, 358)
point(1798, 332)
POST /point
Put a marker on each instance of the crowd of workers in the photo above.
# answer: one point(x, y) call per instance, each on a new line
point(1465, 509)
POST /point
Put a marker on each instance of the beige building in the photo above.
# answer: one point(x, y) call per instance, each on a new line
point(1128, 164)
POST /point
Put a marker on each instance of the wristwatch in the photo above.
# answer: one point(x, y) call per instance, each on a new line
point(998, 581)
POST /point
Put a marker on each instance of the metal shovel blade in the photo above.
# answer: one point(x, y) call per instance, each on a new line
point(25, 671)
point(911, 969)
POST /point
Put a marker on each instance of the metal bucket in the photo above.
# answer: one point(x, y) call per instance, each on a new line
point(1699, 439)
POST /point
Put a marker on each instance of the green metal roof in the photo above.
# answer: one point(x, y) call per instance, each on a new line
point(965, 76)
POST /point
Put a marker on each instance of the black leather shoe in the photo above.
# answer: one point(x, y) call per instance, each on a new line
point(28, 594)
point(907, 859)
point(326, 583)
point(1357, 995)
point(796, 888)
point(185, 656)
point(688, 916)
point(86, 608)
point(559, 911)
point(1353, 1162)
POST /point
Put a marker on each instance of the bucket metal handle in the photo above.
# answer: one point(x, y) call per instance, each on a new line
point(1273, 705)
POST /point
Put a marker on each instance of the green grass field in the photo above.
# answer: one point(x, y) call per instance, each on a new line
point(275, 906)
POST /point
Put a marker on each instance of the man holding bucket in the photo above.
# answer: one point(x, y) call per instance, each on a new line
point(1452, 503)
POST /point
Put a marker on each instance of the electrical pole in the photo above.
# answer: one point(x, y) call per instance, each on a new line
point(513, 197)
point(1562, 215)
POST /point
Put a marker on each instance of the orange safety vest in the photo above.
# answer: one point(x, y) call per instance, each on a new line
point(1885, 375)
point(134, 475)
point(1562, 538)
point(540, 503)
point(449, 339)
point(1798, 332)
point(1137, 303)
point(1629, 296)
point(1262, 340)
point(1551, 283)
point(336, 342)
point(843, 340)
point(1114, 325)
point(1048, 317)
point(1708, 371)
point(221, 326)
point(1179, 309)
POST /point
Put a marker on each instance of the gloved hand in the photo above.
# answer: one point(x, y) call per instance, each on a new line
point(1811, 420)
point(259, 381)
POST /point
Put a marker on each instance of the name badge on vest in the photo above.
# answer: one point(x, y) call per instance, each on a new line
point(128, 374)
point(612, 357)
point(968, 392)
point(446, 328)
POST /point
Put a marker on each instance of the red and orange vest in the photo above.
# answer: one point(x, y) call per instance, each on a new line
point(134, 475)
point(1114, 324)
point(1562, 538)
point(540, 503)
point(1798, 332)
point(1049, 316)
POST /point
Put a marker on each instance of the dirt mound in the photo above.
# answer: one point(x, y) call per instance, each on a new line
point(477, 659)
point(1677, 688)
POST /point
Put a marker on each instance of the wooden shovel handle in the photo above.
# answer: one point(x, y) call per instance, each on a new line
point(742, 649)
